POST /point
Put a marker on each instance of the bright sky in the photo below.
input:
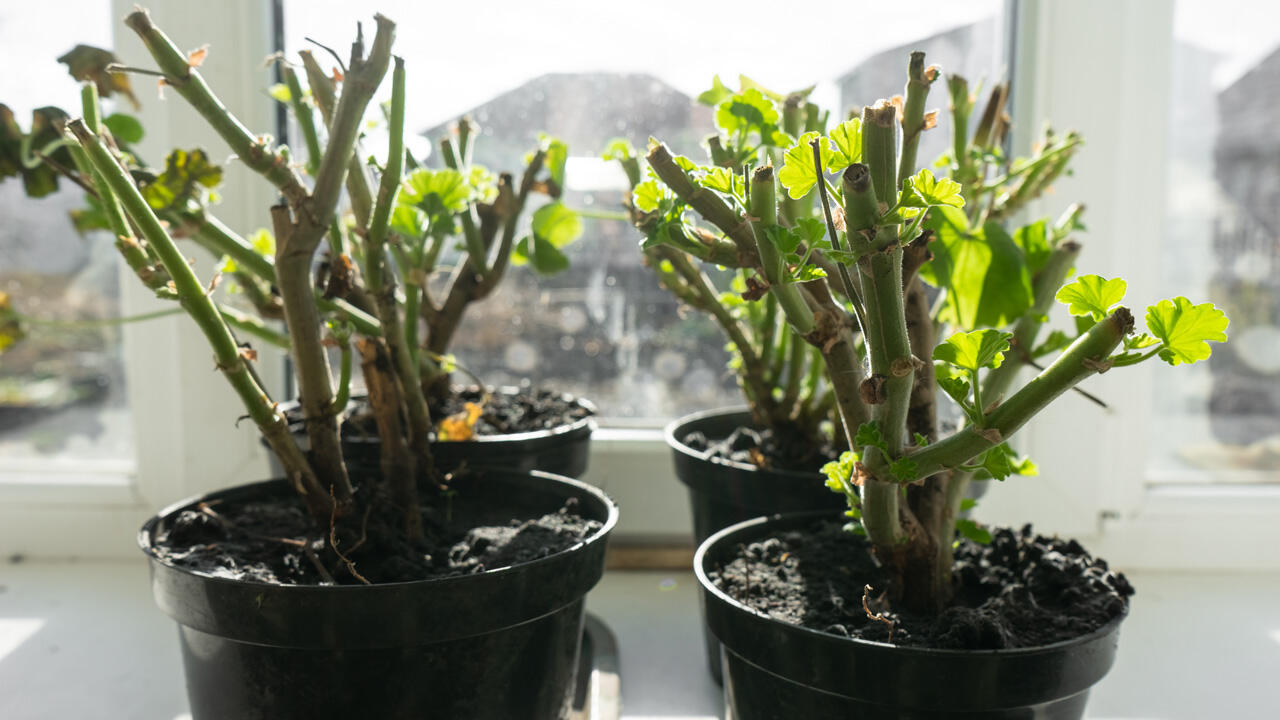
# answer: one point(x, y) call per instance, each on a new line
point(456, 61)
point(1242, 31)
point(684, 42)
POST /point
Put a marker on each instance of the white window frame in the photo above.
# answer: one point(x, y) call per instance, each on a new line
point(177, 401)
point(1093, 486)
point(1102, 68)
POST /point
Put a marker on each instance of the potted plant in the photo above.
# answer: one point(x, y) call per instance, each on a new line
point(884, 613)
point(741, 463)
point(453, 233)
point(340, 589)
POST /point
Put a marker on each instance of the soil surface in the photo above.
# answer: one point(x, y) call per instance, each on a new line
point(276, 541)
point(527, 410)
point(763, 449)
point(1021, 590)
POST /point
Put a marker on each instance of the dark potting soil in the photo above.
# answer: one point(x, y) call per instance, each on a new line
point(276, 541)
point(527, 410)
point(1021, 590)
point(763, 449)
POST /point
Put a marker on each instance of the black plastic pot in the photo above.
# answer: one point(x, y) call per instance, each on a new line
point(723, 492)
point(561, 451)
point(777, 671)
point(496, 645)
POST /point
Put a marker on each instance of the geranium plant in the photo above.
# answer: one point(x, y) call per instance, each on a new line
point(358, 278)
point(839, 229)
point(459, 220)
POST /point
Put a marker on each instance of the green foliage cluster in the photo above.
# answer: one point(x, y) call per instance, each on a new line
point(908, 255)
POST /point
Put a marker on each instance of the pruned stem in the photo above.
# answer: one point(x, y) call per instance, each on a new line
point(202, 309)
point(1084, 358)
point(383, 290)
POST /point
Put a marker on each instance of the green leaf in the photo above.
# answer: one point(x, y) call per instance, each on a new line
point(408, 221)
point(618, 149)
point(547, 258)
point(484, 184)
point(904, 469)
point(649, 195)
point(719, 179)
point(1001, 461)
point(1092, 295)
point(11, 330)
point(798, 174)
point(746, 111)
point(973, 531)
point(557, 154)
point(124, 128)
point(85, 62)
point(956, 387)
point(806, 273)
point(847, 137)
point(716, 94)
point(263, 242)
point(928, 191)
point(187, 176)
point(557, 224)
point(868, 435)
point(839, 472)
point(1034, 241)
point(974, 350)
point(785, 239)
point(1186, 329)
point(280, 93)
point(982, 270)
point(436, 192)
point(540, 254)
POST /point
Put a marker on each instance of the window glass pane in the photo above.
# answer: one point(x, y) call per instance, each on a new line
point(1220, 420)
point(589, 72)
point(62, 391)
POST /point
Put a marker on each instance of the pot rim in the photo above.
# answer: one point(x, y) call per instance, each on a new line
point(700, 556)
point(669, 434)
point(146, 534)
point(587, 423)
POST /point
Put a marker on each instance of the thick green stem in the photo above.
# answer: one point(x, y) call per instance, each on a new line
point(919, 79)
point(134, 254)
point(306, 120)
point(706, 203)
point(793, 116)
point(311, 362)
point(344, 379)
point(885, 328)
point(880, 149)
point(961, 107)
point(764, 210)
point(209, 232)
point(202, 309)
point(1084, 358)
point(402, 357)
point(179, 74)
point(1045, 286)
point(254, 326)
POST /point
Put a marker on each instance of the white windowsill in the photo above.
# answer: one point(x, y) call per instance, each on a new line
point(78, 638)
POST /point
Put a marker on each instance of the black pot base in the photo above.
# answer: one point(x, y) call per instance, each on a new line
point(489, 646)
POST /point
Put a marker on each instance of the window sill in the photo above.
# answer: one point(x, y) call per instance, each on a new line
point(65, 626)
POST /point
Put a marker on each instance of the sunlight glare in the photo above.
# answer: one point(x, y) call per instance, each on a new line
point(15, 631)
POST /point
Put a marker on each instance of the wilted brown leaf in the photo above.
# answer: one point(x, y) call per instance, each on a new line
point(86, 62)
